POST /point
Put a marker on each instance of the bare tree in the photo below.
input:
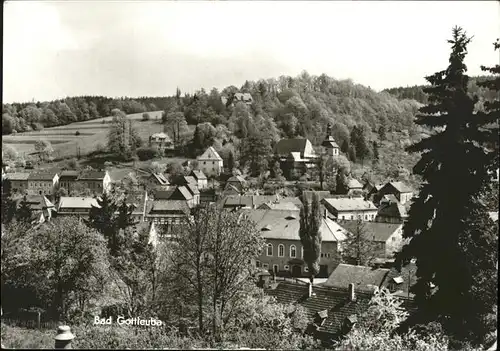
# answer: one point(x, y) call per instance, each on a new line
point(359, 246)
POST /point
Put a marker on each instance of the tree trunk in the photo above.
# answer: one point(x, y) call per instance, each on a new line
point(200, 298)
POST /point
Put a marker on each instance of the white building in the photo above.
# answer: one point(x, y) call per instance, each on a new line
point(210, 163)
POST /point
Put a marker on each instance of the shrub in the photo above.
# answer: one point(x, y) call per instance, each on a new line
point(77, 133)
point(37, 126)
point(14, 131)
point(20, 338)
point(145, 116)
point(147, 153)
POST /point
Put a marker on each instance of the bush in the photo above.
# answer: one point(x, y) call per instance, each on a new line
point(77, 133)
point(14, 131)
point(37, 126)
point(20, 338)
point(145, 116)
point(147, 153)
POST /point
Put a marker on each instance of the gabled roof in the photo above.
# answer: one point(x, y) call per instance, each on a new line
point(330, 143)
point(169, 206)
point(248, 200)
point(164, 194)
point(376, 231)
point(190, 180)
point(354, 184)
point(160, 136)
point(184, 192)
point(237, 179)
point(198, 174)
point(160, 178)
point(392, 210)
point(17, 176)
point(401, 187)
point(286, 224)
point(349, 203)
point(285, 146)
point(210, 154)
point(35, 202)
point(335, 301)
point(77, 202)
point(363, 278)
point(287, 206)
point(42, 176)
point(91, 175)
point(230, 189)
point(193, 189)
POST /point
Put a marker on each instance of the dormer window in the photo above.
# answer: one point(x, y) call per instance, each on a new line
point(266, 228)
point(290, 217)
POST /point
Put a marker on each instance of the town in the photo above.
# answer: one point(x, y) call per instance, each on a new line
point(288, 213)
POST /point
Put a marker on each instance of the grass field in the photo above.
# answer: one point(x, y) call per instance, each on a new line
point(92, 133)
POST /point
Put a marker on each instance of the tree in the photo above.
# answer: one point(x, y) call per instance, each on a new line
point(440, 220)
point(325, 169)
point(382, 133)
point(375, 152)
point(359, 246)
point(44, 148)
point(254, 153)
point(230, 160)
point(67, 262)
point(309, 233)
point(101, 218)
point(175, 123)
point(24, 213)
point(360, 143)
point(123, 139)
point(9, 210)
point(146, 116)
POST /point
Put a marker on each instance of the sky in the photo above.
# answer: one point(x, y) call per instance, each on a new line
point(54, 49)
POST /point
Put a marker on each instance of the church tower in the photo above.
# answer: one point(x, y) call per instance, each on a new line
point(330, 147)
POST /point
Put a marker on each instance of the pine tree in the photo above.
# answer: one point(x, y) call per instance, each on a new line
point(442, 216)
point(230, 160)
point(102, 217)
point(310, 235)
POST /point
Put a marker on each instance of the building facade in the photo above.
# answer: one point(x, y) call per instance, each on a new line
point(43, 184)
point(210, 163)
point(350, 208)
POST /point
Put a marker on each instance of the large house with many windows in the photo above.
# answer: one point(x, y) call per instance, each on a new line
point(283, 254)
point(210, 163)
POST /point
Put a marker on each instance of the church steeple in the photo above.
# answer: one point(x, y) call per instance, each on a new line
point(329, 145)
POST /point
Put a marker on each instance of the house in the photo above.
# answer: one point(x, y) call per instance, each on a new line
point(230, 189)
point(400, 190)
point(236, 202)
point(75, 206)
point(161, 141)
point(208, 196)
point(201, 178)
point(17, 183)
point(371, 190)
point(350, 207)
point(238, 97)
point(330, 147)
point(331, 312)
point(68, 180)
point(237, 182)
point(295, 156)
point(137, 201)
point(387, 236)
point(167, 213)
point(97, 181)
point(156, 179)
point(210, 163)
point(354, 187)
point(363, 278)
point(41, 207)
point(193, 189)
point(283, 254)
point(43, 183)
point(391, 212)
point(280, 205)
point(493, 216)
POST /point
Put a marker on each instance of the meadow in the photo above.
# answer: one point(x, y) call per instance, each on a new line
point(92, 133)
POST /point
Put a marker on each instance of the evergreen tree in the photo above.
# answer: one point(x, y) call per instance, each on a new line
point(309, 233)
point(375, 153)
point(442, 219)
point(360, 142)
point(255, 150)
point(8, 209)
point(359, 248)
point(102, 217)
point(24, 212)
point(345, 147)
point(230, 160)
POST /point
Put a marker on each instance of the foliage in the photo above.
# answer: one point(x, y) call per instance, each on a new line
point(44, 148)
point(123, 139)
point(359, 247)
point(19, 338)
point(146, 116)
point(147, 153)
point(442, 221)
point(310, 235)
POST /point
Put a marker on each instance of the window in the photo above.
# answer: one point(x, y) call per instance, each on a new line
point(393, 238)
point(275, 268)
point(204, 162)
point(269, 249)
point(352, 217)
point(293, 251)
point(281, 250)
point(258, 264)
point(343, 217)
point(366, 217)
point(306, 269)
point(286, 267)
point(265, 266)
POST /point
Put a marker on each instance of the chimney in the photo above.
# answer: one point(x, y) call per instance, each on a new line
point(352, 294)
point(310, 290)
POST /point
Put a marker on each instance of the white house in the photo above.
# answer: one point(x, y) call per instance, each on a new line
point(210, 163)
point(350, 208)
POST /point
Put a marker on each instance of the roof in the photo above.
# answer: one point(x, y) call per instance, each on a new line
point(349, 203)
point(193, 189)
point(392, 210)
point(42, 176)
point(248, 200)
point(243, 96)
point(230, 189)
point(285, 146)
point(354, 184)
point(335, 301)
point(77, 202)
point(184, 192)
point(198, 174)
point(164, 194)
point(237, 179)
point(288, 206)
point(190, 180)
point(92, 175)
point(401, 187)
point(329, 142)
point(160, 178)
point(363, 278)
point(68, 174)
point(399, 278)
point(391, 198)
point(285, 225)
point(169, 206)
point(17, 176)
point(210, 154)
point(379, 231)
